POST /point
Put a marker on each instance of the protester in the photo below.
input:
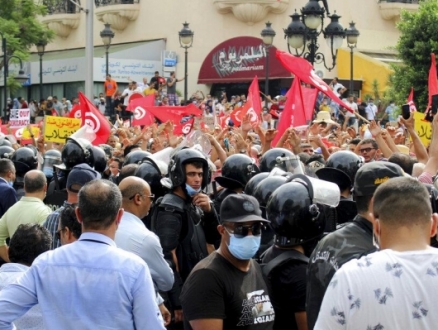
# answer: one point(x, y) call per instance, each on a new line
point(77, 178)
point(30, 209)
point(227, 290)
point(7, 177)
point(395, 287)
point(29, 241)
point(113, 277)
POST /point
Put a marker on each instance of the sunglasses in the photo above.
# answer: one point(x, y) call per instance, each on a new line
point(240, 231)
point(366, 150)
point(151, 196)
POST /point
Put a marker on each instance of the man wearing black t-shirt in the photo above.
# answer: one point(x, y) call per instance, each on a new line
point(226, 290)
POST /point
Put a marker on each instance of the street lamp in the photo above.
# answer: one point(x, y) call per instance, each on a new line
point(41, 47)
point(107, 34)
point(185, 41)
point(352, 35)
point(21, 77)
point(268, 35)
point(303, 32)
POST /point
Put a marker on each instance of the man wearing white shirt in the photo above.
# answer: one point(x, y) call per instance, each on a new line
point(394, 288)
point(371, 110)
point(351, 117)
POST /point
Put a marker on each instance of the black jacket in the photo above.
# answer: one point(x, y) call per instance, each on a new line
point(350, 242)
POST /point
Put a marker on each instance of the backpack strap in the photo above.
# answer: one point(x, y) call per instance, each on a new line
point(282, 258)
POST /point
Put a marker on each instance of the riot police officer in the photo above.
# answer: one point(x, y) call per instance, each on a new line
point(237, 170)
point(184, 219)
point(298, 224)
point(76, 151)
point(341, 168)
point(24, 160)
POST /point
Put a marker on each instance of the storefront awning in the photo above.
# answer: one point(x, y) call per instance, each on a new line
point(370, 67)
point(239, 60)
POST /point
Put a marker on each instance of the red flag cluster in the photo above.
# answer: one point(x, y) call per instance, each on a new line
point(252, 106)
point(181, 116)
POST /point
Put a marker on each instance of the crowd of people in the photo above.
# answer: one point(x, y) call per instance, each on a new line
point(331, 227)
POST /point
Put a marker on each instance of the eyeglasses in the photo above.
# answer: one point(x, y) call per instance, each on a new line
point(240, 231)
point(58, 233)
point(367, 150)
point(151, 196)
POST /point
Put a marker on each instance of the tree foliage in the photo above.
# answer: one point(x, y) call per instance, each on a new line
point(418, 39)
point(20, 26)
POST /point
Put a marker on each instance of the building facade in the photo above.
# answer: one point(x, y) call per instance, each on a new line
point(146, 40)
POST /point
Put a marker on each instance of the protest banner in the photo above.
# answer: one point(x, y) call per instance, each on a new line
point(423, 128)
point(57, 129)
point(19, 118)
point(22, 134)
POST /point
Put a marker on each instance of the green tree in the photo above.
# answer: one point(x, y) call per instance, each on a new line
point(417, 41)
point(20, 26)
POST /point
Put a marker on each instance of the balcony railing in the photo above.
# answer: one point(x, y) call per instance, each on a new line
point(401, 1)
point(61, 6)
point(391, 9)
point(100, 3)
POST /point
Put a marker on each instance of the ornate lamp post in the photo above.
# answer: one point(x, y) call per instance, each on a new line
point(352, 35)
point(268, 35)
point(107, 34)
point(185, 41)
point(303, 32)
point(21, 77)
point(41, 47)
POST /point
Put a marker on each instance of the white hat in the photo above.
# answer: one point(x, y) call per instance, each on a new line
point(323, 117)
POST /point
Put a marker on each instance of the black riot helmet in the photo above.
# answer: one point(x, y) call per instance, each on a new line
point(5, 142)
point(52, 157)
point(294, 217)
point(237, 170)
point(177, 164)
point(24, 160)
point(254, 181)
point(6, 151)
point(266, 187)
point(99, 158)
point(341, 168)
point(280, 158)
point(149, 171)
point(107, 149)
point(75, 152)
point(135, 157)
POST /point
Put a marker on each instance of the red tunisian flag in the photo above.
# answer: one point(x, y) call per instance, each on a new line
point(293, 113)
point(302, 69)
point(433, 80)
point(139, 106)
point(93, 118)
point(75, 112)
point(309, 98)
point(252, 106)
point(411, 103)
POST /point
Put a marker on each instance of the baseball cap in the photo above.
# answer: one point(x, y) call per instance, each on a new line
point(371, 175)
point(240, 208)
point(80, 175)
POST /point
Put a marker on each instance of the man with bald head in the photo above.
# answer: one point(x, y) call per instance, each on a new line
point(29, 209)
point(132, 235)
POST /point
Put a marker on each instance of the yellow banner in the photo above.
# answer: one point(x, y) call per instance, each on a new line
point(423, 128)
point(57, 129)
point(26, 134)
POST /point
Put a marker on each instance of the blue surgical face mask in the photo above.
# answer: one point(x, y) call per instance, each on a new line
point(244, 248)
point(11, 183)
point(192, 192)
point(48, 172)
